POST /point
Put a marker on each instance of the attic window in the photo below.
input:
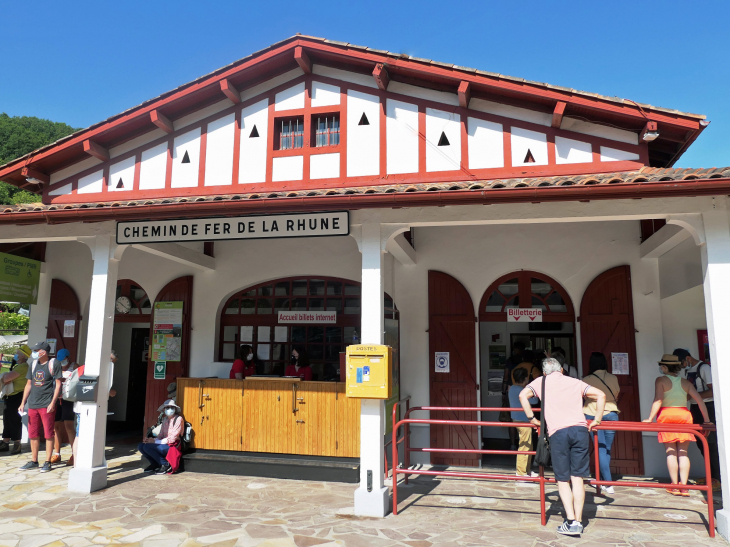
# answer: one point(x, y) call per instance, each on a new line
point(363, 120)
point(254, 133)
point(327, 132)
point(186, 158)
point(529, 158)
point(443, 141)
point(291, 133)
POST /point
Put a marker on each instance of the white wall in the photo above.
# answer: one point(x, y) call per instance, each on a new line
point(680, 269)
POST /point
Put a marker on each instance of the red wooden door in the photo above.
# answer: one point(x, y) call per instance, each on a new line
point(178, 290)
point(607, 325)
point(451, 328)
point(64, 307)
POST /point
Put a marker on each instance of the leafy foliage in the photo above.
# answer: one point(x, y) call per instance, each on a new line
point(14, 321)
point(18, 136)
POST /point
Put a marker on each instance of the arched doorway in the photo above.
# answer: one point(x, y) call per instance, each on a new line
point(522, 289)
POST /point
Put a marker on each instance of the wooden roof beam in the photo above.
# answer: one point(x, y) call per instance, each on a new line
point(380, 73)
point(96, 150)
point(464, 94)
point(558, 114)
point(230, 91)
point(33, 176)
point(302, 59)
point(161, 121)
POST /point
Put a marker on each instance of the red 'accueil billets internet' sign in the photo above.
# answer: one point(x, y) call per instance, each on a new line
point(524, 315)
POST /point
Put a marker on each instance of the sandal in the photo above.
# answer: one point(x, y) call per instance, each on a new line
point(674, 491)
point(683, 493)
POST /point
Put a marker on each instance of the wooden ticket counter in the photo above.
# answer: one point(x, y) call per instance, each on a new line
point(271, 415)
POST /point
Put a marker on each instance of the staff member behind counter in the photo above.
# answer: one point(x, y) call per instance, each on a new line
point(245, 365)
point(299, 365)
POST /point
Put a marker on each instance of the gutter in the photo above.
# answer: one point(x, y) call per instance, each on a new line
point(643, 190)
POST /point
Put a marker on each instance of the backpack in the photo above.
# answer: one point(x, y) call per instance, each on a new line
point(51, 361)
point(692, 376)
point(69, 389)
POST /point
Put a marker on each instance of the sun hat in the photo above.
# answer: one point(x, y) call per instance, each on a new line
point(668, 359)
point(25, 350)
point(169, 402)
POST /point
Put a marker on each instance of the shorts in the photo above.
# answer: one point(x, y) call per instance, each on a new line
point(570, 452)
point(674, 415)
point(64, 411)
point(40, 423)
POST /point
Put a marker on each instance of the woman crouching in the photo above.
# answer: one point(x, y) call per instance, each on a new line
point(155, 450)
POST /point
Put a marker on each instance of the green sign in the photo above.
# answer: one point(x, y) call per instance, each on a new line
point(160, 370)
point(19, 278)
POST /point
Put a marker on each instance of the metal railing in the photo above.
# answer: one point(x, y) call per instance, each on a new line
point(699, 432)
point(404, 439)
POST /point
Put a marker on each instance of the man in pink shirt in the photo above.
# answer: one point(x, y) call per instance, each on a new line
point(568, 431)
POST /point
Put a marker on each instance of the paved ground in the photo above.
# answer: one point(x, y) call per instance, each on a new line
point(190, 510)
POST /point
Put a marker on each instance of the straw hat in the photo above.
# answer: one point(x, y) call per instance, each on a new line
point(169, 402)
point(669, 359)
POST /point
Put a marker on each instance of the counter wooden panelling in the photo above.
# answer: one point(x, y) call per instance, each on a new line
point(276, 415)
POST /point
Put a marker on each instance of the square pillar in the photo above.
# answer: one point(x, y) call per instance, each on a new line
point(90, 471)
point(375, 500)
point(716, 270)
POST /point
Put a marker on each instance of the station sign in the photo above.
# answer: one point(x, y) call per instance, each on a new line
point(331, 223)
point(524, 315)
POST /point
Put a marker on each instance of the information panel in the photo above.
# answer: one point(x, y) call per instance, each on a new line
point(19, 278)
point(167, 331)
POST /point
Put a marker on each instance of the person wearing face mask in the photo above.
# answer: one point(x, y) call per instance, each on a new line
point(64, 410)
point(12, 421)
point(155, 450)
point(245, 365)
point(299, 366)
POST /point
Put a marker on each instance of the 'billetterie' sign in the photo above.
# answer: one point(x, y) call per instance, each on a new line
point(250, 227)
point(524, 315)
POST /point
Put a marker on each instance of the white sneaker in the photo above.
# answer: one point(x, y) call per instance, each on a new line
point(607, 490)
point(534, 475)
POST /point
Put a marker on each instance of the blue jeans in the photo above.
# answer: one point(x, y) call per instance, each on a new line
point(155, 453)
point(605, 441)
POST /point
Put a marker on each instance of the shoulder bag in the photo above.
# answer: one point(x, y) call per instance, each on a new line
point(542, 451)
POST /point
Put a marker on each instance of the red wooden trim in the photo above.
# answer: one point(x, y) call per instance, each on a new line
point(464, 94)
point(230, 91)
point(306, 175)
point(558, 114)
point(302, 59)
point(203, 154)
point(465, 148)
point(96, 150)
point(507, 145)
point(422, 140)
point(29, 172)
point(168, 170)
point(237, 146)
point(650, 126)
point(137, 171)
point(161, 121)
point(343, 134)
point(380, 73)
point(383, 150)
point(551, 151)
point(269, 146)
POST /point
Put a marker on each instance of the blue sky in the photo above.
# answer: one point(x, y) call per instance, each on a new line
point(81, 62)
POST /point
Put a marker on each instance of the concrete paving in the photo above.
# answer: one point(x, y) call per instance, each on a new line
point(192, 510)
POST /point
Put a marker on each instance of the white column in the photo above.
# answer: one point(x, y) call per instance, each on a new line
point(373, 501)
point(716, 269)
point(89, 473)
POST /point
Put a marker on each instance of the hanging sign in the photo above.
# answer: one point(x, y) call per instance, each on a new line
point(443, 361)
point(318, 317)
point(160, 370)
point(249, 227)
point(620, 363)
point(19, 279)
point(167, 331)
point(52, 343)
point(524, 315)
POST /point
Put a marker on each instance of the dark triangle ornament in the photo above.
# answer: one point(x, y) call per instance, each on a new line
point(363, 120)
point(186, 158)
point(529, 158)
point(254, 133)
point(120, 184)
point(443, 141)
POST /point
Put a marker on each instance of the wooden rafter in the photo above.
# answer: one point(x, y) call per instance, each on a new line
point(162, 121)
point(96, 150)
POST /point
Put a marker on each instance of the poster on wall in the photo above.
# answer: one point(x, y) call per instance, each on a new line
point(52, 343)
point(620, 363)
point(497, 356)
point(167, 331)
point(442, 362)
point(19, 279)
point(69, 326)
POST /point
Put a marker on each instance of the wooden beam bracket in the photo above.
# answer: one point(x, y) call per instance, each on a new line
point(96, 150)
point(464, 94)
point(558, 114)
point(302, 59)
point(161, 121)
point(34, 176)
point(380, 73)
point(230, 91)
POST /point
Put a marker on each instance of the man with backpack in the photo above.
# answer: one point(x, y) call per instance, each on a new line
point(699, 374)
point(41, 395)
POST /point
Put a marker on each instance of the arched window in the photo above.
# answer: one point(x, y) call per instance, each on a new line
point(526, 289)
point(140, 303)
point(251, 317)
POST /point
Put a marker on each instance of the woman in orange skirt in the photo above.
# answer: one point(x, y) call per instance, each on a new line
point(670, 403)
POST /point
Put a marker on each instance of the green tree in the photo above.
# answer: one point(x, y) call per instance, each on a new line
point(18, 136)
point(14, 321)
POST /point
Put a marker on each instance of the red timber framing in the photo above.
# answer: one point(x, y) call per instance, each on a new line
point(422, 176)
point(676, 130)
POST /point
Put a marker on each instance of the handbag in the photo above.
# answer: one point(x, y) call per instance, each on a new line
point(542, 451)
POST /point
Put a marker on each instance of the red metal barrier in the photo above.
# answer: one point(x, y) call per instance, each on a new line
point(406, 400)
point(697, 431)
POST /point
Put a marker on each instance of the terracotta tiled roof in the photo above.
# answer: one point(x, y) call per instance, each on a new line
point(645, 175)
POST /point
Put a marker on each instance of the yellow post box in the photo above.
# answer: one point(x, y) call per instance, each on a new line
point(369, 371)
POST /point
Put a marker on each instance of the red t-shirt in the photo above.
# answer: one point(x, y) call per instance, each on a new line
point(305, 373)
point(239, 367)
